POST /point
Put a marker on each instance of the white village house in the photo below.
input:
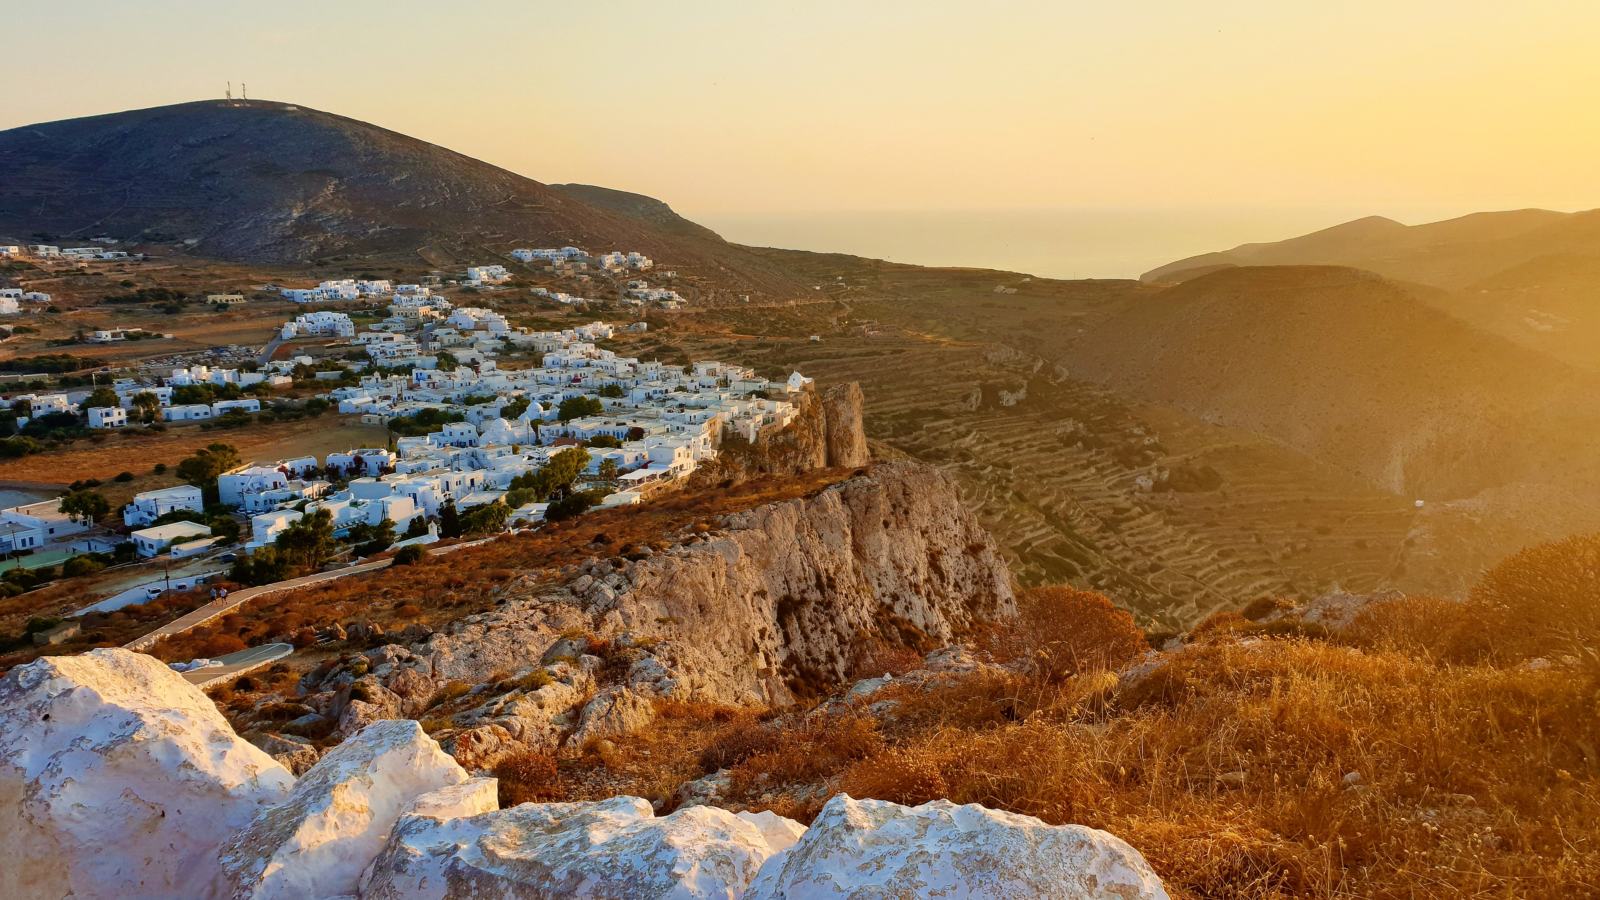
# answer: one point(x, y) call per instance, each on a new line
point(147, 506)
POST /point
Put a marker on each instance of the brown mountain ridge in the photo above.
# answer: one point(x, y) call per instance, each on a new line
point(270, 182)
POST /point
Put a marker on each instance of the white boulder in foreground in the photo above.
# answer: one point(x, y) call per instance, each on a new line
point(317, 842)
point(872, 848)
point(610, 848)
point(118, 778)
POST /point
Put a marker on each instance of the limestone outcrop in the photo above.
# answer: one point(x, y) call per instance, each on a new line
point(844, 435)
point(827, 432)
point(319, 839)
point(610, 848)
point(872, 848)
point(779, 603)
point(118, 778)
point(121, 780)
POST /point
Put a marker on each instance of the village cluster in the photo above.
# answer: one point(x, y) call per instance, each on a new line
point(12, 298)
point(565, 261)
point(47, 251)
point(643, 425)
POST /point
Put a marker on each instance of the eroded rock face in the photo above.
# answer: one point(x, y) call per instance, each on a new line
point(612, 848)
point(613, 713)
point(296, 754)
point(845, 438)
point(774, 603)
point(317, 842)
point(872, 848)
point(118, 778)
point(778, 603)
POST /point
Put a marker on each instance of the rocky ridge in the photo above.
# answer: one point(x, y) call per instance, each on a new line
point(761, 607)
point(387, 814)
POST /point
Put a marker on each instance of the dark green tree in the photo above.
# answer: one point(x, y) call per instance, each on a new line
point(308, 541)
point(489, 518)
point(202, 469)
point(84, 506)
point(576, 407)
point(515, 408)
point(101, 396)
point(449, 521)
point(146, 406)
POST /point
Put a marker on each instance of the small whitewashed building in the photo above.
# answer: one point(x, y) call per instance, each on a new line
point(108, 417)
point(243, 404)
point(154, 541)
point(189, 412)
point(147, 506)
point(236, 487)
point(266, 527)
point(366, 461)
point(33, 525)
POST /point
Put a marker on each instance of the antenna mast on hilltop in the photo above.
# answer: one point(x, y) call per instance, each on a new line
point(229, 93)
point(243, 94)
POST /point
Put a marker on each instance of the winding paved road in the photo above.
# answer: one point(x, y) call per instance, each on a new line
point(236, 664)
point(197, 617)
point(271, 348)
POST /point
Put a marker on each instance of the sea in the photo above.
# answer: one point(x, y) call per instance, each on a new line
point(1054, 243)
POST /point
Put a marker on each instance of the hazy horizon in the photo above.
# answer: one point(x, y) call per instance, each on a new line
point(1066, 242)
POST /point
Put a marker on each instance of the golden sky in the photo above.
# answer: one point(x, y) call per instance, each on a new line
point(745, 107)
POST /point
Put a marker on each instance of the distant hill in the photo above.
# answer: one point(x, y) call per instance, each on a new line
point(271, 182)
point(637, 206)
point(1452, 254)
point(1356, 370)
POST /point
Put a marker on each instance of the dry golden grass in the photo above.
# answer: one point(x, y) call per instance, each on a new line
point(136, 450)
point(1061, 631)
point(529, 777)
point(1412, 754)
point(1298, 768)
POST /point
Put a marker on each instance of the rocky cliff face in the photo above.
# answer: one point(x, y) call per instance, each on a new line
point(775, 606)
point(845, 434)
point(827, 432)
point(170, 790)
point(761, 607)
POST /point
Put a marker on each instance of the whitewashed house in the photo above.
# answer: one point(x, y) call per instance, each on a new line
point(265, 527)
point(241, 486)
point(33, 525)
point(147, 506)
point(108, 417)
point(154, 541)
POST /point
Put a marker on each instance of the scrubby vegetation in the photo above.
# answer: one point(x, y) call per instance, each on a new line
point(1416, 747)
point(432, 592)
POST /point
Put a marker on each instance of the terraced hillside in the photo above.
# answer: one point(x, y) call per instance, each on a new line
point(1170, 516)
